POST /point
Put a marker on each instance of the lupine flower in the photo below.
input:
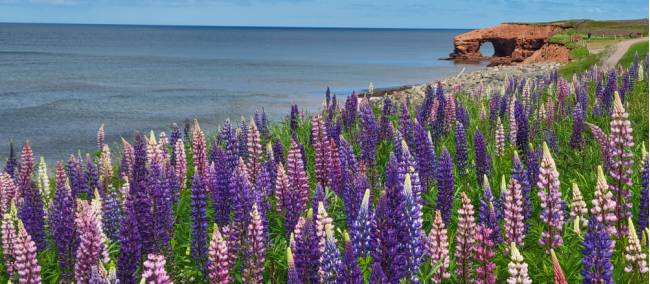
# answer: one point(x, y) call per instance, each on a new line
point(462, 115)
point(635, 257)
point(362, 226)
point(513, 212)
point(621, 160)
point(437, 247)
point(100, 137)
point(61, 221)
point(377, 275)
point(199, 220)
point(351, 271)
point(43, 181)
point(413, 219)
point(322, 220)
point(8, 241)
point(255, 155)
point(12, 163)
point(450, 111)
point(27, 267)
point(643, 207)
point(499, 138)
point(292, 273)
point(603, 142)
point(484, 252)
point(465, 240)
point(425, 155)
point(552, 204)
point(522, 128)
point(242, 139)
point(199, 154)
point(180, 167)
point(331, 265)
point(219, 187)
point(445, 186)
point(162, 207)
point(512, 121)
point(578, 208)
point(482, 161)
point(385, 128)
point(603, 205)
point(130, 245)
point(335, 171)
point(369, 134)
point(532, 161)
point(126, 165)
point(486, 199)
point(610, 88)
point(293, 119)
point(321, 148)
point(461, 148)
point(26, 168)
point(32, 215)
point(219, 261)
point(558, 274)
point(578, 124)
point(299, 186)
point(517, 268)
point(255, 248)
point(597, 254)
point(154, 270)
point(8, 191)
point(92, 250)
point(304, 243)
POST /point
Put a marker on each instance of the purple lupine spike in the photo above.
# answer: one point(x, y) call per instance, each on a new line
point(438, 124)
point(91, 176)
point(465, 240)
point(130, 245)
point(513, 212)
point(242, 139)
point(484, 253)
point(174, 137)
point(427, 104)
point(12, 162)
point(603, 142)
point(446, 188)
point(551, 139)
point(141, 201)
point(621, 160)
point(625, 85)
point(199, 150)
point(597, 254)
point(350, 111)
point(321, 149)
point(241, 194)
point(438, 248)
point(351, 271)
point(255, 248)
point(232, 153)
point(8, 191)
point(255, 153)
point(460, 140)
point(512, 121)
point(450, 111)
point(413, 219)
point(608, 92)
point(199, 221)
point(362, 227)
point(298, 183)
point(369, 134)
point(8, 243)
point(282, 190)
point(521, 176)
point(335, 175)
point(377, 275)
point(28, 269)
point(406, 127)
point(643, 206)
point(293, 119)
point(576, 141)
point(172, 183)
point(154, 270)
point(91, 249)
point(331, 264)
point(292, 273)
point(603, 204)
point(32, 215)
point(318, 198)
point(385, 128)
point(162, 208)
point(219, 178)
point(598, 95)
point(522, 128)
point(111, 214)
point(552, 214)
point(425, 156)
point(562, 95)
point(482, 162)
point(26, 168)
point(408, 165)
point(305, 245)
point(126, 165)
point(278, 152)
point(486, 199)
point(462, 115)
point(219, 261)
point(61, 222)
point(532, 161)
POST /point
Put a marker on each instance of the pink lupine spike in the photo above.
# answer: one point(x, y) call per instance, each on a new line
point(512, 122)
point(603, 142)
point(26, 167)
point(621, 157)
point(282, 189)
point(297, 176)
point(465, 239)
point(322, 220)
point(552, 204)
point(499, 138)
point(335, 169)
point(255, 152)
point(219, 259)
point(105, 166)
point(321, 148)
point(450, 111)
point(558, 274)
point(199, 149)
point(180, 167)
point(635, 257)
point(8, 246)
point(8, 191)
point(256, 246)
point(154, 270)
point(126, 167)
point(100, 137)
point(578, 208)
point(517, 268)
point(484, 252)
point(437, 247)
point(27, 267)
point(91, 248)
point(513, 211)
point(603, 204)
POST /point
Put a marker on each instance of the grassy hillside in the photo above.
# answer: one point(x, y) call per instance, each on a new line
point(640, 49)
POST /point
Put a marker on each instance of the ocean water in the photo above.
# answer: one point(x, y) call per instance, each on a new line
point(58, 83)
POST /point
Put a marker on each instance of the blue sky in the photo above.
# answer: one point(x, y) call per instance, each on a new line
point(317, 13)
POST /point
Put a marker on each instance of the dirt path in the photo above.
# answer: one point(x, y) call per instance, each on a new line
point(618, 50)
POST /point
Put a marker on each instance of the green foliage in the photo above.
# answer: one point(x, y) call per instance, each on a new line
point(640, 48)
point(581, 60)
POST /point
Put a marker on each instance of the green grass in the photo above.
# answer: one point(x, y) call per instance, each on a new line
point(581, 60)
point(640, 48)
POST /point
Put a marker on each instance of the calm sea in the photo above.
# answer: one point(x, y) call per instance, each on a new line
point(58, 83)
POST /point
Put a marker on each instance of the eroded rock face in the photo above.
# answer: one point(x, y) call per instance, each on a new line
point(512, 42)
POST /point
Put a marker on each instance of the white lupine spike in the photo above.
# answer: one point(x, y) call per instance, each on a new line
point(43, 182)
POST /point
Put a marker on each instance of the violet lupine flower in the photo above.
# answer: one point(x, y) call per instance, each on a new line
point(438, 123)
point(228, 134)
point(446, 188)
point(425, 109)
point(12, 162)
point(304, 243)
point(576, 141)
point(438, 249)
point(331, 264)
point(254, 158)
point(517, 268)
point(579, 210)
point(483, 253)
point(597, 254)
point(219, 261)
point(603, 141)
point(425, 156)
point(298, 186)
point(219, 188)
point(111, 214)
point(377, 275)
point(552, 214)
point(598, 95)
point(126, 164)
point(621, 160)
point(488, 214)
point(199, 148)
point(385, 128)
point(27, 267)
point(513, 213)
point(369, 134)
point(91, 176)
point(242, 139)
point(643, 207)
point(91, 251)
point(522, 128)
point(351, 271)
point(350, 111)
point(335, 175)
point(154, 270)
point(461, 148)
point(130, 245)
point(61, 221)
point(255, 248)
point(25, 169)
point(242, 196)
point(162, 207)
point(413, 219)
point(499, 138)
point(635, 256)
point(608, 92)
point(362, 227)
point(282, 191)
point(532, 161)
point(32, 215)
point(321, 149)
point(292, 273)
point(461, 115)
point(293, 119)
point(199, 221)
point(482, 161)
point(140, 197)
point(180, 166)
point(465, 240)
point(521, 175)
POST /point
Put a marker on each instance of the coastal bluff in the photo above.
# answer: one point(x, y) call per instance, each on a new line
point(513, 43)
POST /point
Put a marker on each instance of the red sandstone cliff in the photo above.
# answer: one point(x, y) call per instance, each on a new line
point(512, 43)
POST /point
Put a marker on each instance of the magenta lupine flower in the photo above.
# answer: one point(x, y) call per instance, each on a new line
point(254, 161)
point(199, 151)
point(513, 213)
point(180, 166)
point(517, 268)
point(483, 253)
point(219, 260)
point(499, 138)
point(298, 186)
point(558, 274)
point(8, 191)
point(450, 111)
point(445, 185)
point(26, 168)
point(552, 214)
point(465, 234)
point(100, 137)
point(603, 142)
point(321, 148)
point(255, 254)
point(91, 251)
point(635, 256)
point(8, 240)
point(154, 270)
point(27, 267)
point(437, 247)
point(621, 160)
